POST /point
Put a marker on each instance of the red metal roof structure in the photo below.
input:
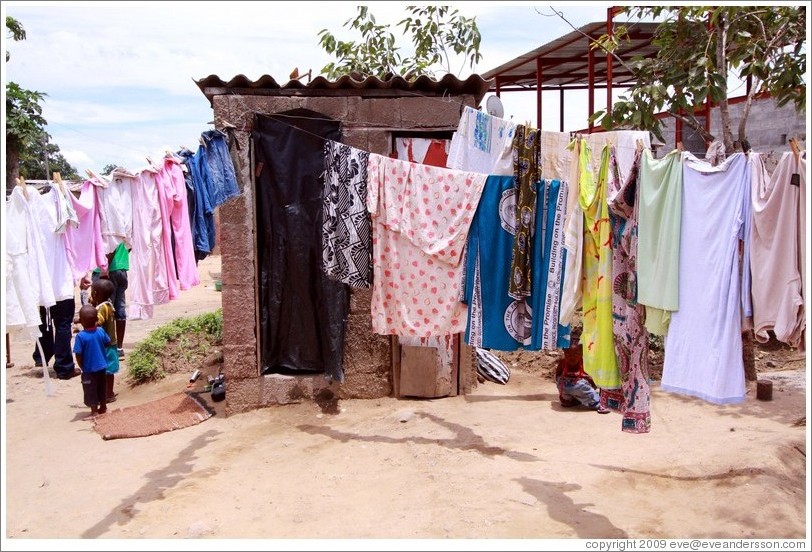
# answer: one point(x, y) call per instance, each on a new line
point(568, 63)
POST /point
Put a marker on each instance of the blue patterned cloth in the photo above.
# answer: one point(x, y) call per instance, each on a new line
point(482, 132)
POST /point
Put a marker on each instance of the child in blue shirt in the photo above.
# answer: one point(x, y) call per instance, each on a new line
point(89, 347)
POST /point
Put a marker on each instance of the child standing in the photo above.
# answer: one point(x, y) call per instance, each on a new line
point(89, 347)
point(101, 292)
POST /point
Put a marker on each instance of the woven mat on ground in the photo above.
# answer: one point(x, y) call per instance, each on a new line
point(169, 413)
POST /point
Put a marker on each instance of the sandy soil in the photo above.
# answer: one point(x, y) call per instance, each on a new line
point(503, 462)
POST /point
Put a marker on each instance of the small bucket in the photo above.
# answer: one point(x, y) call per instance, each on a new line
point(218, 285)
point(764, 390)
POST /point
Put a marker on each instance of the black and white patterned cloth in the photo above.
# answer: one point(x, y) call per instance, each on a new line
point(346, 230)
point(490, 367)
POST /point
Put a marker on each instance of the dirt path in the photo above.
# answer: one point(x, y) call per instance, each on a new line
point(504, 462)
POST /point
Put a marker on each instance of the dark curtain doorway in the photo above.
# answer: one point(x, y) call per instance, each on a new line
point(302, 313)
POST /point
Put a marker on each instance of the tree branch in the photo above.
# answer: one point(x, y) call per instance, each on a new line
point(694, 123)
point(591, 40)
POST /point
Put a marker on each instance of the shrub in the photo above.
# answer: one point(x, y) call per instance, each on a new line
point(143, 363)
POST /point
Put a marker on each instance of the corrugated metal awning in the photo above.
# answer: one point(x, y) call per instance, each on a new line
point(396, 86)
point(565, 60)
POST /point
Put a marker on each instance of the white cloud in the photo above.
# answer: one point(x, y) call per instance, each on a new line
point(77, 158)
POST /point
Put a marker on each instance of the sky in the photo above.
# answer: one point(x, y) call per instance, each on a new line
point(120, 76)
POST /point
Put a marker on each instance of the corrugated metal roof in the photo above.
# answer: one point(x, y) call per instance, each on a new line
point(346, 86)
point(564, 61)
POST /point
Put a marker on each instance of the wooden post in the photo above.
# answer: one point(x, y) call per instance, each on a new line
point(538, 92)
point(610, 28)
point(591, 70)
point(9, 364)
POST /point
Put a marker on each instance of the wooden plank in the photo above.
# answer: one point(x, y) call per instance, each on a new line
point(419, 373)
point(455, 367)
point(466, 368)
point(395, 347)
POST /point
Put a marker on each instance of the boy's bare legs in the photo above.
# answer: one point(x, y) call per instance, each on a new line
point(94, 411)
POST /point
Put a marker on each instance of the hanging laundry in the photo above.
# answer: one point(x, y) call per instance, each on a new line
point(495, 320)
point(28, 284)
point(84, 242)
point(173, 196)
point(203, 222)
point(115, 212)
point(526, 174)
point(571, 284)
point(658, 257)
point(596, 337)
point(347, 229)
point(65, 213)
point(775, 254)
point(625, 144)
point(555, 155)
point(45, 213)
point(165, 189)
point(482, 143)
point(548, 248)
point(223, 181)
point(148, 277)
point(421, 217)
point(630, 335)
point(303, 313)
point(703, 350)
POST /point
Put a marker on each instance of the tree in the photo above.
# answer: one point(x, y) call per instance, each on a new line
point(699, 48)
point(28, 152)
point(435, 32)
point(25, 124)
point(33, 162)
point(108, 169)
point(25, 127)
point(16, 31)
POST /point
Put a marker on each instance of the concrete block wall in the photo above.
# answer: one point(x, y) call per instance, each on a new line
point(367, 123)
point(768, 128)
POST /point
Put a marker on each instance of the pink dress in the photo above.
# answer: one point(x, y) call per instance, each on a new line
point(172, 194)
point(148, 280)
point(84, 242)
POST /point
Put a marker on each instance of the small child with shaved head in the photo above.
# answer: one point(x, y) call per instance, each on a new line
point(101, 292)
point(89, 347)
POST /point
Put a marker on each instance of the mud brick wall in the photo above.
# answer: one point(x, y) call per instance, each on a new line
point(367, 123)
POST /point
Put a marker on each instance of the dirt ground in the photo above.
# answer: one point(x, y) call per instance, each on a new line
point(505, 462)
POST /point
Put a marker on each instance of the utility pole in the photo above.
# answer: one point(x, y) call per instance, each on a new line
point(45, 155)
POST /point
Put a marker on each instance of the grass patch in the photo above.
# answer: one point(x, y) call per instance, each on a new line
point(191, 338)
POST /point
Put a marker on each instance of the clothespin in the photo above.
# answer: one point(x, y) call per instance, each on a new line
point(639, 145)
point(680, 147)
point(795, 149)
point(58, 179)
point(23, 186)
